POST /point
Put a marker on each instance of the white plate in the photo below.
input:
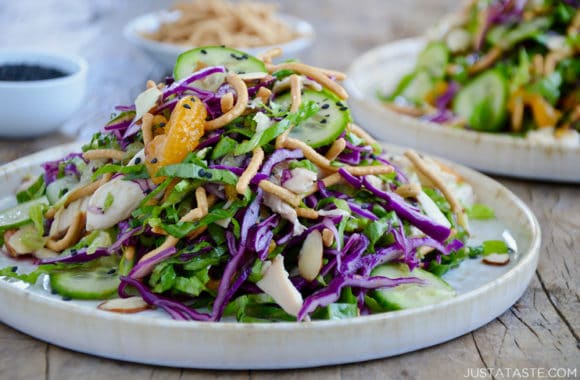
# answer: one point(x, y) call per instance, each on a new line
point(381, 69)
point(484, 292)
point(166, 53)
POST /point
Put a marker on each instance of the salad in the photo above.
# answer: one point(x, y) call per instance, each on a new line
point(503, 66)
point(241, 188)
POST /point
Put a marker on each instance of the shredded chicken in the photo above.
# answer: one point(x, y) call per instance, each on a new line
point(285, 210)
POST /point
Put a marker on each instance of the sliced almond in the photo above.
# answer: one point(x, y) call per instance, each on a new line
point(124, 305)
point(12, 243)
point(16, 244)
point(498, 259)
point(253, 76)
point(327, 237)
point(310, 257)
point(44, 253)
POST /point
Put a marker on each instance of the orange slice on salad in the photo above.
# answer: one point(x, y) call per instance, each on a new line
point(183, 131)
point(159, 123)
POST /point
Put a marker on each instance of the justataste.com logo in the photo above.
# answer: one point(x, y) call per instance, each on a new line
point(521, 373)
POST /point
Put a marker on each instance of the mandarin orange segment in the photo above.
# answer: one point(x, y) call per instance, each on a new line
point(544, 114)
point(159, 123)
point(183, 131)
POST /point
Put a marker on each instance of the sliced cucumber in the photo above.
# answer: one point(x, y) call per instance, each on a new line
point(410, 295)
point(123, 116)
point(60, 187)
point(92, 281)
point(336, 311)
point(234, 60)
point(324, 127)
point(19, 214)
point(523, 31)
point(483, 102)
point(415, 86)
point(434, 59)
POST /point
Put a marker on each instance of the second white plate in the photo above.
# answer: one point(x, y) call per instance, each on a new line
point(381, 69)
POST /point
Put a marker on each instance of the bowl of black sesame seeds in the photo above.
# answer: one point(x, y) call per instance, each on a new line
point(39, 91)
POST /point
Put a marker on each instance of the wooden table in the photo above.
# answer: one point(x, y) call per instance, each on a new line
point(540, 331)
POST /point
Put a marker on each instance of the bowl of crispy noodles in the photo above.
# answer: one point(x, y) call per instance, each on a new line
point(252, 27)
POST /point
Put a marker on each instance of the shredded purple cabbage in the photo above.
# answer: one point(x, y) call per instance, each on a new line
point(501, 12)
point(144, 267)
point(442, 102)
point(52, 168)
point(260, 236)
point(176, 310)
point(331, 293)
point(75, 257)
point(352, 180)
point(396, 203)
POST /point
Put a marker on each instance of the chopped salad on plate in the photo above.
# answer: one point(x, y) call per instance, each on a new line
point(241, 189)
point(501, 66)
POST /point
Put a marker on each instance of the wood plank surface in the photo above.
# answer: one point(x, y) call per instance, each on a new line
point(541, 330)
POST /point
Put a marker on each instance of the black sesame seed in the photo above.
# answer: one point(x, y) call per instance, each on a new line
point(343, 108)
point(339, 104)
point(203, 51)
point(66, 298)
point(202, 173)
point(162, 124)
point(187, 106)
point(325, 106)
point(23, 72)
point(73, 252)
point(137, 160)
point(112, 271)
point(14, 268)
point(52, 291)
point(154, 161)
point(323, 121)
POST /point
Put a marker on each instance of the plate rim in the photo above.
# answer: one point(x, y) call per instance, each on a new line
point(524, 261)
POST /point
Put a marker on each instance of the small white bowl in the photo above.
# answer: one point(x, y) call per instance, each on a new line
point(166, 53)
point(33, 108)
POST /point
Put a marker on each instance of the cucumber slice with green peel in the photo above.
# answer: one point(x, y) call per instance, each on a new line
point(19, 214)
point(483, 102)
point(60, 187)
point(324, 127)
point(524, 31)
point(415, 86)
point(434, 59)
point(408, 296)
point(336, 311)
point(88, 282)
point(234, 60)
